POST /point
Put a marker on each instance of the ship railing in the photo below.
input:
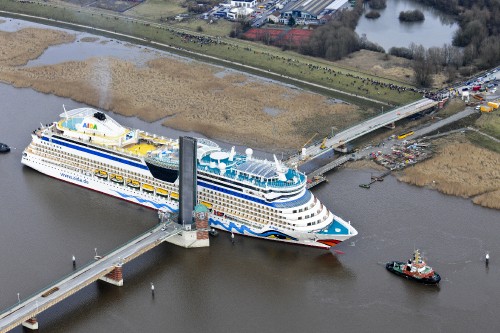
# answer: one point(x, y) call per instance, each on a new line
point(256, 181)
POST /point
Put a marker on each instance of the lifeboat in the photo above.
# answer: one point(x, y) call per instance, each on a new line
point(148, 188)
point(206, 204)
point(133, 183)
point(101, 174)
point(161, 192)
point(116, 178)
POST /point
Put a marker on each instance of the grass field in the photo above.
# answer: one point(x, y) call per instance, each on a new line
point(490, 124)
point(157, 9)
point(220, 28)
point(269, 58)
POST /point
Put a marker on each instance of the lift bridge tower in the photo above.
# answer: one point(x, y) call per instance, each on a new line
point(192, 217)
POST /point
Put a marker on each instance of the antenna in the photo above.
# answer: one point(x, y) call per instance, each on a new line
point(65, 112)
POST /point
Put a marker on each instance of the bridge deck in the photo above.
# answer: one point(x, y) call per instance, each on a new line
point(363, 128)
point(81, 278)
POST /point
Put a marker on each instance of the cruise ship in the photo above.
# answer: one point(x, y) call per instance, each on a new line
point(244, 195)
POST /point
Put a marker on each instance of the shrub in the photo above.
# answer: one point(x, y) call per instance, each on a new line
point(411, 16)
point(373, 14)
point(377, 4)
point(402, 52)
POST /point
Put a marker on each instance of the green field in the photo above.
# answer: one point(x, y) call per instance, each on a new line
point(157, 9)
point(489, 123)
point(268, 58)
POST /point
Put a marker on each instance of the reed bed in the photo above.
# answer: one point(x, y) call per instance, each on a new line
point(190, 96)
point(460, 169)
point(17, 48)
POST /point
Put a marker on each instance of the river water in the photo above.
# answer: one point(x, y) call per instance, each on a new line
point(387, 31)
point(253, 285)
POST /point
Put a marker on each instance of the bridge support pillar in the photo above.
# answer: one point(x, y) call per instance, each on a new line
point(391, 125)
point(114, 277)
point(197, 236)
point(31, 323)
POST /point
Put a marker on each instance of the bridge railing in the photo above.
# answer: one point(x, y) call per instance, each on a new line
point(83, 268)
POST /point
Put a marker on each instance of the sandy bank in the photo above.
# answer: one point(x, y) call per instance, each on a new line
point(191, 96)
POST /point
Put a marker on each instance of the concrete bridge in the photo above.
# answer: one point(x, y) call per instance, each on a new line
point(350, 134)
point(107, 268)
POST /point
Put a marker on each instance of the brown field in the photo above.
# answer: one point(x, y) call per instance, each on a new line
point(376, 63)
point(384, 65)
point(454, 105)
point(460, 169)
point(190, 96)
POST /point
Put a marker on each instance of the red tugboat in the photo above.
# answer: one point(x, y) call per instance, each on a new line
point(415, 269)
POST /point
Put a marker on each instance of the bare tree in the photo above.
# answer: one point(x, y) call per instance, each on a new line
point(421, 66)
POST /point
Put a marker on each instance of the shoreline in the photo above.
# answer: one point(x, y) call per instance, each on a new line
point(189, 95)
point(250, 57)
point(246, 124)
point(459, 168)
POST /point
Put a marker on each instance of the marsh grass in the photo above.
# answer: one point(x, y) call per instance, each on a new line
point(191, 96)
point(265, 57)
point(460, 169)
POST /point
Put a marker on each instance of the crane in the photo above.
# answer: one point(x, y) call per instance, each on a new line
point(312, 137)
point(323, 143)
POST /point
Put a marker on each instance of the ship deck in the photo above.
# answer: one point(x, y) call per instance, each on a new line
point(140, 149)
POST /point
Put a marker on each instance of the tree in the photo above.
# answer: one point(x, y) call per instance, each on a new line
point(421, 66)
point(489, 52)
point(377, 4)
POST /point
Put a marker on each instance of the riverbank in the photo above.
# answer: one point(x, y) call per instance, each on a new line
point(312, 73)
point(459, 168)
point(189, 96)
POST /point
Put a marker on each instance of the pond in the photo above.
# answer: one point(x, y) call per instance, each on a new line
point(387, 31)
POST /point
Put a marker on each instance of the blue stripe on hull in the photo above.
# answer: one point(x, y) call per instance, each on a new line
point(243, 228)
point(143, 201)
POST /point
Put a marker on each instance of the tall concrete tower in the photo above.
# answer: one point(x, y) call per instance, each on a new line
point(192, 218)
point(187, 181)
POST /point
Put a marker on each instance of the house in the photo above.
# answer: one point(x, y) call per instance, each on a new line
point(243, 3)
point(274, 16)
point(239, 12)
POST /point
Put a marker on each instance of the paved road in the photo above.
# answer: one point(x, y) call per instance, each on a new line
point(441, 123)
point(79, 279)
point(363, 128)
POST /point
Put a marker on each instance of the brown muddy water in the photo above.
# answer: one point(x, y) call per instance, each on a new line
point(254, 285)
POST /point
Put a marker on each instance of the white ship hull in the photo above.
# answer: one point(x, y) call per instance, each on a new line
point(123, 192)
point(243, 195)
